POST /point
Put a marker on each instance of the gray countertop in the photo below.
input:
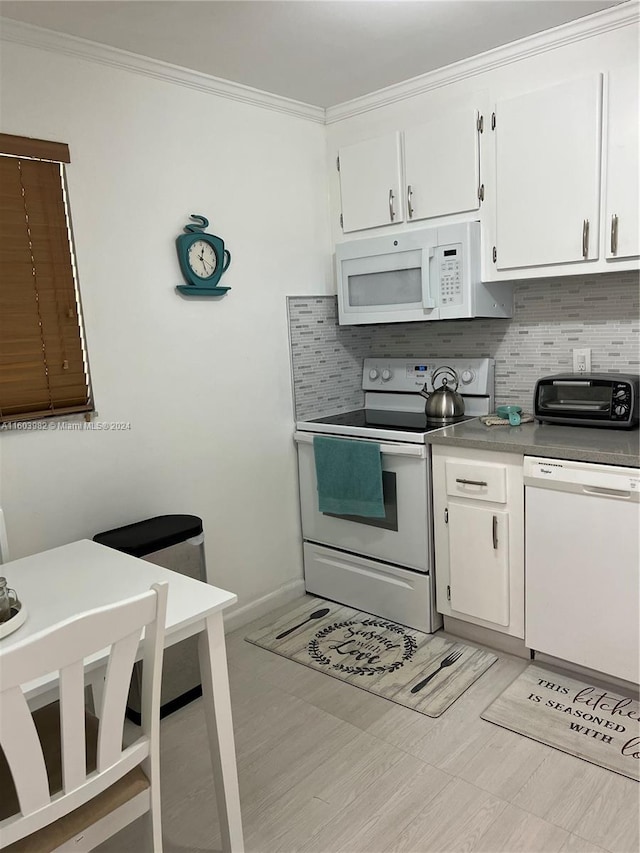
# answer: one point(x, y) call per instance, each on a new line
point(586, 444)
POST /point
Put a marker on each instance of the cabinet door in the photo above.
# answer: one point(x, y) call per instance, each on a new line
point(622, 223)
point(547, 164)
point(442, 166)
point(479, 562)
point(370, 183)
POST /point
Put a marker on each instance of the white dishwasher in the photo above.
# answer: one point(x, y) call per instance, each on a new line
point(582, 564)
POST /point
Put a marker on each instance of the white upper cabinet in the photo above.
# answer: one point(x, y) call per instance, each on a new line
point(442, 166)
point(621, 172)
point(548, 170)
point(370, 183)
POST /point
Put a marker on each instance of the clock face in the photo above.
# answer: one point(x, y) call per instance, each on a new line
point(202, 259)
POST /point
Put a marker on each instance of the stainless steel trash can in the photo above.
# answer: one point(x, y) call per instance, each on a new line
point(175, 542)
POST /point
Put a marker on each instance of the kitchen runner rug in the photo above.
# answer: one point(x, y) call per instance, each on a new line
point(425, 672)
point(597, 725)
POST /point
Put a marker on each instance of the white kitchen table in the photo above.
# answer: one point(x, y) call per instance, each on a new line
point(56, 584)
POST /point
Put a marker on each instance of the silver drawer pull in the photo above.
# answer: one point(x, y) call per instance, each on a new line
point(495, 532)
point(392, 213)
point(585, 238)
point(409, 205)
point(471, 482)
point(614, 234)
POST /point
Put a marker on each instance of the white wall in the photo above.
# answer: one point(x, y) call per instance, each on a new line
point(205, 384)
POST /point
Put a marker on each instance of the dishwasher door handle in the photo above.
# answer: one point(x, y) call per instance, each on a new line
point(621, 494)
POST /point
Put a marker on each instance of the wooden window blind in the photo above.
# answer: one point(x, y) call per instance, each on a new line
point(43, 366)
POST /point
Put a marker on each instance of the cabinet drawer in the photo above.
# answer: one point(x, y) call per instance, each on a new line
point(481, 482)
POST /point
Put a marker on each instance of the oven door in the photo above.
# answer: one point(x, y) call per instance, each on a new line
point(403, 536)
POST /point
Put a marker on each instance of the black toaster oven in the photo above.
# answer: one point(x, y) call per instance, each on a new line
point(588, 399)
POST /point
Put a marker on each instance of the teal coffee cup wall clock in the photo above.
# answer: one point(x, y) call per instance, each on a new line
point(203, 259)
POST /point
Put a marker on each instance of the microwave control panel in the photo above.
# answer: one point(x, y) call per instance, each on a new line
point(450, 273)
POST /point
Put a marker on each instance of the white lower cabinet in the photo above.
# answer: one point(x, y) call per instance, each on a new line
point(479, 561)
point(478, 502)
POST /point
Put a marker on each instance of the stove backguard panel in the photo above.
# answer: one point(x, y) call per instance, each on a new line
point(551, 318)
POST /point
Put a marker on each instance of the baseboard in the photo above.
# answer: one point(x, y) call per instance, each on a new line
point(599, 679)
point(487, 637)
point(238, 618)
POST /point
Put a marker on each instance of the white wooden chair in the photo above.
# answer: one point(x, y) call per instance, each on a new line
point(66, 781)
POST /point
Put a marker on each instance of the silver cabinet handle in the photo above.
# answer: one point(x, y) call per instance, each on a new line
point(495, 532)
point(392, 213)
point(614, 234)
point(471, 482)
point(585, 238)
point(409, 205)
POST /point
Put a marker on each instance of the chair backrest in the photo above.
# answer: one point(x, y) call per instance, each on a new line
point(65, 648)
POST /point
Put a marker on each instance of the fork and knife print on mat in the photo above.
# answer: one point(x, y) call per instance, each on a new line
point(449, 660)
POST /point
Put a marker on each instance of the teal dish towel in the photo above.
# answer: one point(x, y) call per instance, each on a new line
point(349, 476)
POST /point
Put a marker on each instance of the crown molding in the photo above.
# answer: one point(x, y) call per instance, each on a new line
point(624, 15)
point(616, 17)
point(38, 37)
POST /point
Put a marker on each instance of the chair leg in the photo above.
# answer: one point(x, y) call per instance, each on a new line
point(151, 767)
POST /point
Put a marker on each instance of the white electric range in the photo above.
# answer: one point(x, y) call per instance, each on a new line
point(384, 565)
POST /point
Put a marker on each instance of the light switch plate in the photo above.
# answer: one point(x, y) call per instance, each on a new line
point(582, 360)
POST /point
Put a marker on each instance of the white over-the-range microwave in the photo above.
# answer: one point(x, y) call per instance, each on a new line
point(425, 274)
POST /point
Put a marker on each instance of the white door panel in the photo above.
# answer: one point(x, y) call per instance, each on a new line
point(370, 183)
point(479, 567)
point(547, 162)
point(442, 166)
point(622, 191)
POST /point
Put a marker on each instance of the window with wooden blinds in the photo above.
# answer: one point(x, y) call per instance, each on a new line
point(43, 366)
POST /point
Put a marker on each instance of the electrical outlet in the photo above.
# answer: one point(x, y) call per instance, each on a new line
point(582, 360)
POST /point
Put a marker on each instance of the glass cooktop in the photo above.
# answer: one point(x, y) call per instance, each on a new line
point(405, 421)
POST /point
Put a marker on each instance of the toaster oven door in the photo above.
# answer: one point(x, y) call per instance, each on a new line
point(575, 398)
point(588, 401)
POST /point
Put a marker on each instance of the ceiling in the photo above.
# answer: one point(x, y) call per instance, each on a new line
point(321, 52)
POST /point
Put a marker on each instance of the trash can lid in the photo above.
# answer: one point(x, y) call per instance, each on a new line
point(152, 534)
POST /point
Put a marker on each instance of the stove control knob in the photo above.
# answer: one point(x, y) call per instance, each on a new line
point(373, 373)
point(467, 376)
point(386, 375)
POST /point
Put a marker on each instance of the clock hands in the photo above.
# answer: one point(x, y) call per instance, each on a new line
point(204, 263)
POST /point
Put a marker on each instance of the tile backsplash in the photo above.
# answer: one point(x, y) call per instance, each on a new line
point(551, 317)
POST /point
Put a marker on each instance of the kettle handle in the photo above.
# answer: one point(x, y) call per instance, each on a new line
point(445, 369)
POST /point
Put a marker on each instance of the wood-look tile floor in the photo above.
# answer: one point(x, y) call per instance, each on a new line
point(324, 766)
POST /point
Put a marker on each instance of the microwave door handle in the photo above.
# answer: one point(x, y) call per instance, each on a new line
point(427, 299)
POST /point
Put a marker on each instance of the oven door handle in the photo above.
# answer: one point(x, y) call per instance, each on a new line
point(418, 451)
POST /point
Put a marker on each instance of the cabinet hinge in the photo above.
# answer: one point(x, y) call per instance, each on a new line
point(448, 593)
point(446, 516)
point(481, 192)
point(341, 221)
point(493, 121)
point(495, 254)
point(480, 124)
point(338, 163)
